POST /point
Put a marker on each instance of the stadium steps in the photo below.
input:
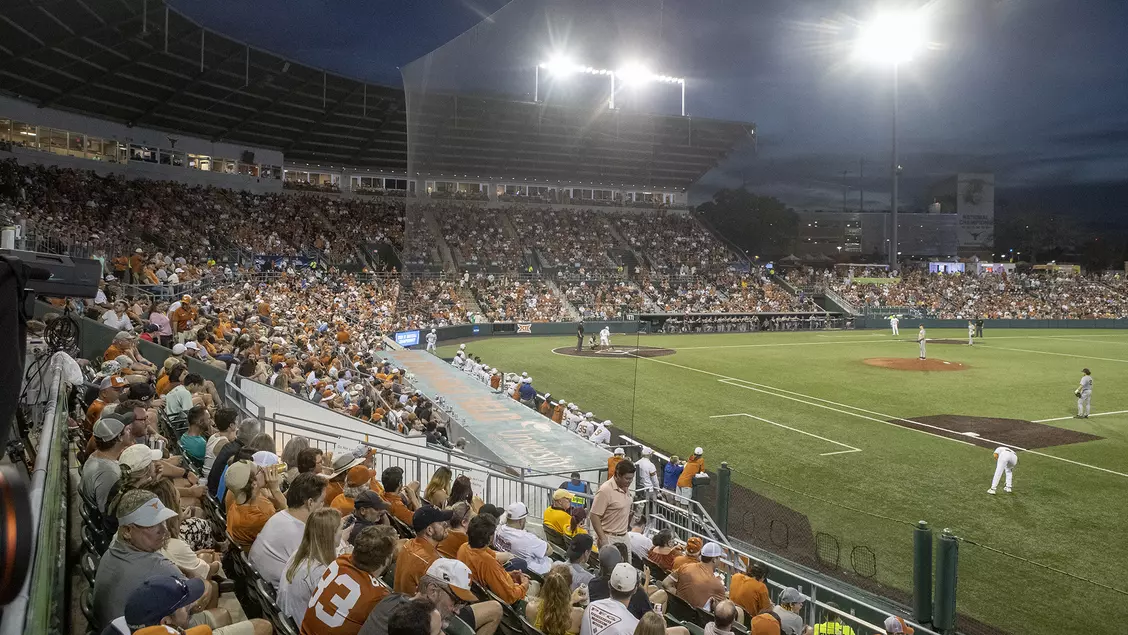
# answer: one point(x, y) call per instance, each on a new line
point(437, 232)
point(573, 314)
point(469, 301)
point(724, 240)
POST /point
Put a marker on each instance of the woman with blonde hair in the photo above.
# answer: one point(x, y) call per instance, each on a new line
point(438, 490)
point(652, 624)
point(188, 553)
point(553, 612)
point(316, 552)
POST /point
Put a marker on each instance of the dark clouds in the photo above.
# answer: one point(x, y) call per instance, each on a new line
point(1033, 90)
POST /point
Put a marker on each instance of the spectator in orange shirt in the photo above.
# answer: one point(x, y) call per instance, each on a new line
point(356, 483)
point(695, 464)
point(431, 526)
point(109, 393)
point(136, 262)
point(749, 591)
point(182, 318)
point(255, 498)
point(692, 553)
point(558, 412)
point(394, 494)
point(546, 407)
point(484, 566)
point(336, 485)
point(613, 460)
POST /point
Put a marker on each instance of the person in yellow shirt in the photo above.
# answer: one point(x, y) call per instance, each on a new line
point(695, 464)
point(558, 516)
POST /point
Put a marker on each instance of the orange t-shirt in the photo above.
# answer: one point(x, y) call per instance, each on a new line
point(399, 510)
point(135, 263)
point(558, 413)
point(683, 560)
point(343, 504)
point(244, 522)
point(488, 572)
point(111, 353)
point(182, 316)
point(414, 559)
point(333, 489)
point(343, 599)
point(749, 593)
point(764, 624)
point(452, 543)
point(697, 584)
point(692, 466)
point(612, 461)
point(164, 384)
point(94, 413)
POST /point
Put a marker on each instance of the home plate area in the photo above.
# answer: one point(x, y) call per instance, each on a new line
point(991, 432)
point(614, 352)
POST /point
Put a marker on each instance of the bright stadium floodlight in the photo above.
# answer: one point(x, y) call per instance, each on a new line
point(893, 39)
point(560, 66)
point(634, 74)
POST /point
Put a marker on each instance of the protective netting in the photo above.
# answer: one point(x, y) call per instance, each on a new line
point(481, 110)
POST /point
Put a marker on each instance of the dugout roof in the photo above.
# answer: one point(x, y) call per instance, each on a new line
point(144, 64)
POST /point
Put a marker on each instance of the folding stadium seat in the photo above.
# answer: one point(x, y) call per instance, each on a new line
point(86, 603)
point(555, 538)
point(681, 610)
point(530, 629)
point(457, 627)
point(401, 528)
point(656, 572)
point(88, 563)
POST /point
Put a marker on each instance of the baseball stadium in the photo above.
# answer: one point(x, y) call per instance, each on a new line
point(487, 349)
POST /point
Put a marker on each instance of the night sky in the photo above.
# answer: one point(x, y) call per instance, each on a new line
point(1035, 91)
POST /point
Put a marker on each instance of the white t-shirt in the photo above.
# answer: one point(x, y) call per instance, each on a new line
point(110, 319)
point(274, 545)
point(524, 545)
point(607, 617)
point(640, 544)
point(647, 473)
point(293, 597)
point(183, 557)
point(213, 446)
point(178, 400)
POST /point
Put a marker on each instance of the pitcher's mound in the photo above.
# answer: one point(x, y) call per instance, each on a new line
point(909, 363)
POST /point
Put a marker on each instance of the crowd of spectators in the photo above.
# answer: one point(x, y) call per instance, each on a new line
point(506, 299)
point(669, 241)
point(478, 236)
point(603, 298)
point(431, 302)
point(571, 239)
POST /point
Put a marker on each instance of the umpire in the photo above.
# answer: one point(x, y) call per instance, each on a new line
point(580, 336)
point(979, 327)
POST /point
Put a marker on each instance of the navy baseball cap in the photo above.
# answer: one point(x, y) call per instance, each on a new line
point(426, 515)
point(158, 597)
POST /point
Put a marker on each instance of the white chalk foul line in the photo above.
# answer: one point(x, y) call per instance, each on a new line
point(1027, 350)
point(738, 382)
point(842, 445)
point(1099, 414)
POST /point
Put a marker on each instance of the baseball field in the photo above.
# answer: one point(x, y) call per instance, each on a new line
point(841, 441)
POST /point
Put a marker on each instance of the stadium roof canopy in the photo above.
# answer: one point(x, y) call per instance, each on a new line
point(144, 64)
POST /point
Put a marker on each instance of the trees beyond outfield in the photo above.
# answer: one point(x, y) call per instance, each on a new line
point(762, 225)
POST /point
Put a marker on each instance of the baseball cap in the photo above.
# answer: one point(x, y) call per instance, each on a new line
point(791, 595)
point(428, 514)
point(141, 391)
point(149, 514)
point(138, 457)
point(581, 544)
point(358, 475)
point(647, 451)
point(693, 546)
point(517, 511)
point(894, 624)
point(124, 361)
point(111, 425)
point(237, 477)
point(191, 345)
point(712, 550)
point(456, 575)
point(370, 499)
point(609, 558)
point(179, 349)
point(619, 452)
point(113, 381)
point(265, 458)
point(561, 493)
point(624, 577)
point(158, 597)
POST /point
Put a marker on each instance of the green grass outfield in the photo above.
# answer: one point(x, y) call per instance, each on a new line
point(1070, 506)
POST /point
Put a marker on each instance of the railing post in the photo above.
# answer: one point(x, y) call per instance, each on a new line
point(922, 572)
point(947, 562)
point(724, 490)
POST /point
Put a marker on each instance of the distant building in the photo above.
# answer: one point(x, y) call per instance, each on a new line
point(831, 233)
point(971, 197)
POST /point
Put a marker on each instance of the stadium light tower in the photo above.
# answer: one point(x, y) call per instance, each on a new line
point(893, 39)
point(632, 75)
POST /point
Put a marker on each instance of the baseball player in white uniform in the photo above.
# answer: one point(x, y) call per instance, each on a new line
point(648, 474)
point(605, 338)
point(459, 358)
point(601, 433)
point(431, 339)
point(970, 332)
point(1005, 461)
point(921, 340)
point(893, 322)
point(1084, 393)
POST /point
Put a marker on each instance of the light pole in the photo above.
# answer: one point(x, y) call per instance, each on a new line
point(893, 38)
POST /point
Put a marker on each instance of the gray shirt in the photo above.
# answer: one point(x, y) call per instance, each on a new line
point(122, 570)
point(98, 478)
point(377, 622)
point(789, 623)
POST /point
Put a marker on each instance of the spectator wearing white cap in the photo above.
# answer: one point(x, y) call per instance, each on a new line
point(610, 616)
point(618, 455)
point(101, 471)
point(696, 582)
point(694, 465)
point(647, 474)
point(134, 556)
point(253, 497)
point(513, 538)
point(447, 584)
